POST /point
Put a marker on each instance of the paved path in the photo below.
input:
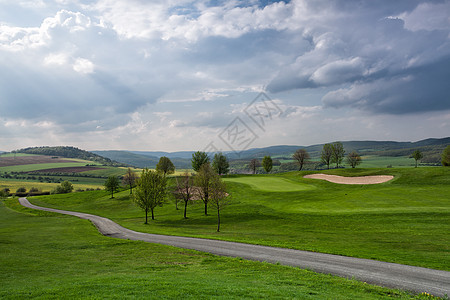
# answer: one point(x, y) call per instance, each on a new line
point(391, 275)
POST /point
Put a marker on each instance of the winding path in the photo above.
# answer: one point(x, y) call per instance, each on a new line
point(415, 279)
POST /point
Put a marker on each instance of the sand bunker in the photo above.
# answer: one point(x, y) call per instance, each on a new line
point(352, 180)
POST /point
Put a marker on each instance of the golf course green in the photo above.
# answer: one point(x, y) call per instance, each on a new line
point(404, 220)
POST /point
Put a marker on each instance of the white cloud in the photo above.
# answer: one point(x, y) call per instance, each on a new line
point(163, 70)
point(83, 66)
point(59, 59)
point(428, 16)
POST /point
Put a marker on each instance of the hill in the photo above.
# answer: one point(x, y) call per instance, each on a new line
point(71, 152)
point(431, 148)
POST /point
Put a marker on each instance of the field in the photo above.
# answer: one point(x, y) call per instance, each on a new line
point(46, 172)
point(403, 221)
point(47, 255)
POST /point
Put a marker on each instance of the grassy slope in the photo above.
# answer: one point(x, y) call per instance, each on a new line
point(403, 221)
point(48, 255)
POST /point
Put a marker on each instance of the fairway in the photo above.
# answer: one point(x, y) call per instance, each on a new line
point(47, 255)
point(404, 220)
point(271, 184)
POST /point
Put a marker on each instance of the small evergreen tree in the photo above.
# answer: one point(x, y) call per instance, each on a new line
point(267, 163)
point(199, 158)
point(220, 164)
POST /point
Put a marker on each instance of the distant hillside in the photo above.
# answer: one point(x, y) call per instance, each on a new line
point(431, 148)
point(70, 152)
point(142, 159)
point(130, 158)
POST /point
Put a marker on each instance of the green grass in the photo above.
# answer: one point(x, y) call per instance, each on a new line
point(13, 184)
point(374, 161)
point(403, 221)
point(47, 255)
point(270, 184)
point(16, 154)
point(107, 171)
point(37, 167)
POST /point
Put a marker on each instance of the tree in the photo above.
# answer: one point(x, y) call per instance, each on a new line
point(184, 190)
point(353, 159)
point(150, 191)
point(112, 185)
point(165, 166)
point(220, 164)
point(325, 155)
point(218, 196)
point(417, 155)
point(203, 181)
point(338, 153)
point(199, 158)
point(129, 179)
point(254, 163)
point(301, 156)
point(267, 163)
point(21, 190)
point(446, 156)
point(4, 193)
point(63, 188)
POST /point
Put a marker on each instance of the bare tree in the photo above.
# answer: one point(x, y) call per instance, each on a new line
point(254, 163)
point(218, 196)
point(184, 190)
point(353, 159)
point(338, 153)
point(203, 181)
point(111, 184)
point(301, 156)
point(129, 179)
point(417, 155)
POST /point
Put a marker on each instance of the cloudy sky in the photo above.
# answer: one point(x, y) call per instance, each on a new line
point(228, 75)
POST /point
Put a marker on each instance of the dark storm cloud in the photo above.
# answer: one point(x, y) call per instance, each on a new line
point(394, 61)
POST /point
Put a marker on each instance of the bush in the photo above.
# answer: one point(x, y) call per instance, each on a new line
point(21, 190)
point(34, 190)
point(446, 156)
point(63, 188)
point(4, 193)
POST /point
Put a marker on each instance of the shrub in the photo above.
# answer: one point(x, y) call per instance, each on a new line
point(21, 190)
point(34, 190)
point(63, 188)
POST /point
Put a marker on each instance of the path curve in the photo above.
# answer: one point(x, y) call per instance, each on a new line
point(415, 279)
point(351, 180)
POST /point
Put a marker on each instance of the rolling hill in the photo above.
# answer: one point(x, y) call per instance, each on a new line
point(71, 152)
point(431, 148)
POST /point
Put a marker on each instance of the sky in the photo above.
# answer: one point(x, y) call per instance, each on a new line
point(217, 75)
